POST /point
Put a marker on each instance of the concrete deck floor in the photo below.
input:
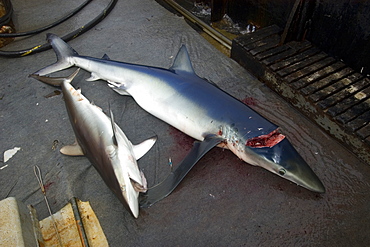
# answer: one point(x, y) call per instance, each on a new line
point(222, 201)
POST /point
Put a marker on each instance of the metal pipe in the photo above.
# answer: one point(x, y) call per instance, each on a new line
point(204, 26)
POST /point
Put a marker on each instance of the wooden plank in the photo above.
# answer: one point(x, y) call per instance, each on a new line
point(354, 112)
point(245, 59)
point(260, 34)
point(301, 64)
point(263, 45)
point(294, 59)
point(309, 69)
point(335, 87)
point(328, 80)
point(307, 80)
point(289, 21)
point(341, 95)
point(349, 102)
point(272, 52)
point(364, 133)
point(359, 122)
point(283, 52)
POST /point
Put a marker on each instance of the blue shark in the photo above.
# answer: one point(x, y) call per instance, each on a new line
point(106, 146)
point(199, 109)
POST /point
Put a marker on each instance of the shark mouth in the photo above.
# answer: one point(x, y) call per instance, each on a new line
point(263, 141)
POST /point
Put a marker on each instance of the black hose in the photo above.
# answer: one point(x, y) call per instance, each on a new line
point(39, 30)
point(66, 38)
point(5, 19)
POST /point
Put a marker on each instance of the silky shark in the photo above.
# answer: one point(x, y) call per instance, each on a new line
point(104, 144)
point(198, 108)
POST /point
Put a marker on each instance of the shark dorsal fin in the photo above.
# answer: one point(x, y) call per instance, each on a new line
point(114, 128)
point(143, 147)
point(105, 57)
point(182, 61)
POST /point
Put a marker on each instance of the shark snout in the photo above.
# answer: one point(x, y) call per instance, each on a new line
point(286, 162)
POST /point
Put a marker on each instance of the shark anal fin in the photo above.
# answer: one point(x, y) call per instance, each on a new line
point(93, 77)
point(165, 188)
point(72, 150)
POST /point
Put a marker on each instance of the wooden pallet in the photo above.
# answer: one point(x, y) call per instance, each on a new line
point(326, 90)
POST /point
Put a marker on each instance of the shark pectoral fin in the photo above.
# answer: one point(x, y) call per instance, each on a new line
point(93, 77)
point(143, 147)
point(163, 189)
point(72, 150)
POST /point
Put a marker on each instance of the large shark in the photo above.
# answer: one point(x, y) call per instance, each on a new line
point(104, 144)
point(198, 108)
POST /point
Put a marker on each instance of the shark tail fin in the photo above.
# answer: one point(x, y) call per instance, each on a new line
point(55, 81)
point(63, 51)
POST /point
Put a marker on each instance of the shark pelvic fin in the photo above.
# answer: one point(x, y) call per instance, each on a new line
point(72, 150)
point(143, 147)
point(182, 61)
point(119, 88)
point(163, 189)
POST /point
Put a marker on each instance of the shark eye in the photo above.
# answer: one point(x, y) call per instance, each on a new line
point(282, 171)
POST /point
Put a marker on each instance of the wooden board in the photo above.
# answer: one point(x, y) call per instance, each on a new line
point(326, 90)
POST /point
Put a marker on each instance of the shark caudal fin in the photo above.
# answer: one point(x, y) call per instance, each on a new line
point(55, 81)
point(63, 51)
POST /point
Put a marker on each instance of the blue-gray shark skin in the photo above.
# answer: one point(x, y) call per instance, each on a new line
point(197, 108)
point(104, 144)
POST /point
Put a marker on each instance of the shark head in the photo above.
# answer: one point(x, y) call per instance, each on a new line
point(283, 160)
point(125, 187)
point(276, 154)
point(129, 179)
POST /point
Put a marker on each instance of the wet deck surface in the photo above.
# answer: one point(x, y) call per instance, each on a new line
point(223, 201)
point(326, 90)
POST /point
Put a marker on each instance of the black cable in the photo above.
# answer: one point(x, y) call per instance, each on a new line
point(39, 30)
point(66, 38)
point(8, 13)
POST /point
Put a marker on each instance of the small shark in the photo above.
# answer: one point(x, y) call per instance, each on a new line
point(104, 144)
point(198, 108)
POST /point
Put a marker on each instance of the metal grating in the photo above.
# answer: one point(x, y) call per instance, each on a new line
point(323, 88)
